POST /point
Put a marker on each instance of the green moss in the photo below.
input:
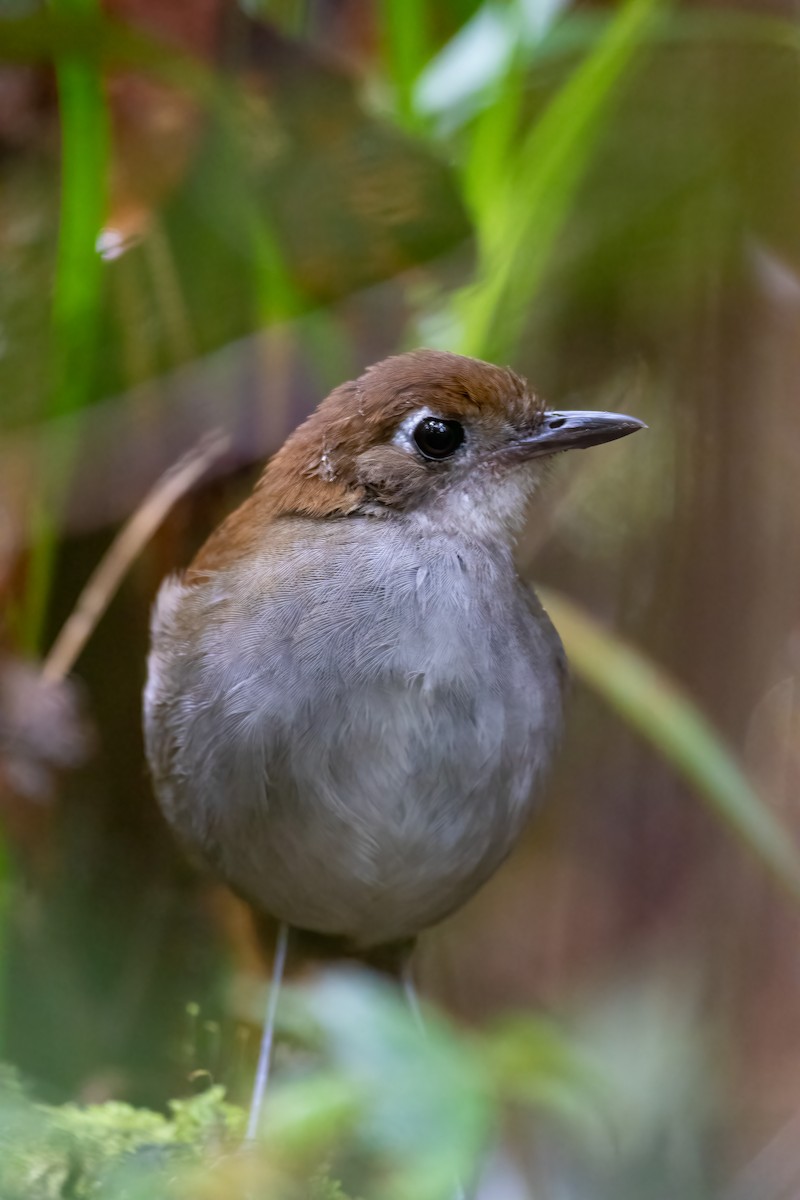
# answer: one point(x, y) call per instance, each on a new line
point(116, 1152)
point(67, 1151)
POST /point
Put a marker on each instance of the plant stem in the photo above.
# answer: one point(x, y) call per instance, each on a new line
point(77, 295)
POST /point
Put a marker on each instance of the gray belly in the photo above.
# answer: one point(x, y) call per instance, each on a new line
point(387, 812)
point(370, 800)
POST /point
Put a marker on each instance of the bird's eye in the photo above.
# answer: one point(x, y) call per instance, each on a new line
point(438, 439)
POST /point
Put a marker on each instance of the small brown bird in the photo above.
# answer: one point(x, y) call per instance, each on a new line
point(351, 694)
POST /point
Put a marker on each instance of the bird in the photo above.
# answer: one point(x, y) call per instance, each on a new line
point(352, 697)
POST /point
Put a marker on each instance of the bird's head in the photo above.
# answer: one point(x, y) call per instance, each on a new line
point(436, 438)
point(428, 432)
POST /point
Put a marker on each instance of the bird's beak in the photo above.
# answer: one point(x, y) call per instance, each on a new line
point(574, 430)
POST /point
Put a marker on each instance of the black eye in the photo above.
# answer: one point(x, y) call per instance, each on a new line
point(438, 439)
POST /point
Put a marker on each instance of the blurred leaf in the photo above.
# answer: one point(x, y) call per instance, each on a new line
point(653, 704)
point(523, 216)
point(351, 200)
point(77, 288)
point(78, 280)
point(79, 31)
point(423, 1102)
point(294, 193)
point(427, 1101)
point(405, 46)
point(308, 1116)
point(536, 1063)
point(466, 71)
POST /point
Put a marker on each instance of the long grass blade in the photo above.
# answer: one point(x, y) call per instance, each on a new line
point(518, 232)
point(77, 287)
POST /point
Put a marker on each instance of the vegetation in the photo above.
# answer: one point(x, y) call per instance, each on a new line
point(207, 219)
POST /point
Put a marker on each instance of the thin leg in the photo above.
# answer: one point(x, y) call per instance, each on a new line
point(410, 993)
point(265, 1054)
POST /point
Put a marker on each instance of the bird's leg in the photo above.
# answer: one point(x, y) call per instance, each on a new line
point(265, 1053)
point(410, 993)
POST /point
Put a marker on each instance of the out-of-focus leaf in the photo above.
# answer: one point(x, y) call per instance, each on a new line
point(306, 1116)
point(653, 704)
point(295, 193)
point(78, 284)
point(405, 50)
point(537, 1063)
point(427, 1100)
point(519, 227)
point(93, 38)
point(351, 200)
point(422, 1103)
point(475, 59)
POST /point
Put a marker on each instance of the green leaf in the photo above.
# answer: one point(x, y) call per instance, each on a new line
point(427, 1097)
point(406, 50)
point(519, 228)
point(534, 1062)
point(77, 286)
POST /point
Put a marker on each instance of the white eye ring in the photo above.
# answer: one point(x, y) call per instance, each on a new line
point(404, 434)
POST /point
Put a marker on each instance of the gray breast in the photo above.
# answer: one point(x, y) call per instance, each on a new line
point(355, 746)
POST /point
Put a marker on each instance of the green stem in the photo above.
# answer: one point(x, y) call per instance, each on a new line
point(77, 295)
point(406, 49)
point(519, 233)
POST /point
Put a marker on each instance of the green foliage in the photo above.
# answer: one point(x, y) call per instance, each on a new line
point(48, 1152)
point(406, 51)
point(390, 1112)
point(519, 168)
point(295, 198)
point(534, 177)
point(77, 286)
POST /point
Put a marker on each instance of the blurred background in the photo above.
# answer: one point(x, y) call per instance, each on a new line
point(210, 214)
